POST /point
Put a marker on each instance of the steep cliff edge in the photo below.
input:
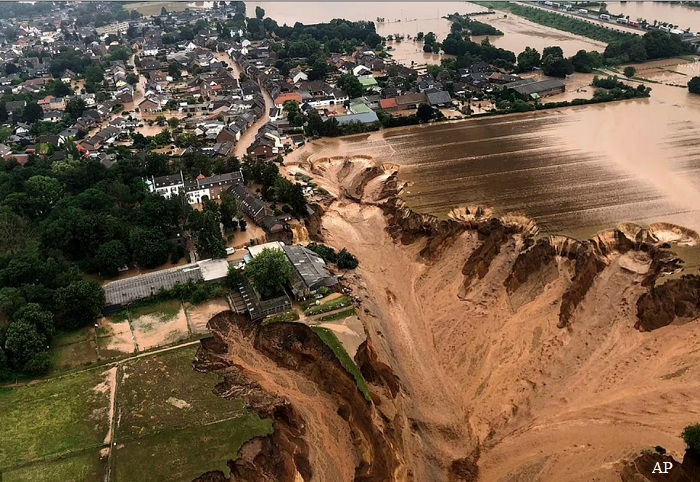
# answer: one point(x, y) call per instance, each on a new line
point(284, 372)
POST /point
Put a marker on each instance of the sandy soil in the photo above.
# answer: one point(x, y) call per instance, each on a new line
point(478, 369)
point(199, 315)
point(117, 337)
point(151, 331)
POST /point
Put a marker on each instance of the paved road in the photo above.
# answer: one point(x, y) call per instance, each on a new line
point(591, 18)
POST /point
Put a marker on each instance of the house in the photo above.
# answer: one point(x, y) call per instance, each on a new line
point(530, 89)
point(148, 106)
point(296, 75)
point(68, 75)
point(367, 81)
point(360, 70)
point(363, 118)
point(229, 134)
point(67, 134)
point(309, 272)
point(501, 78)
point(438, 98)
point(15, 105)
point(410, 100)
point(262, 148)
point(52, 116)
point(250, 204)
point(203, 188)
point(388, 104)
point(167, 186)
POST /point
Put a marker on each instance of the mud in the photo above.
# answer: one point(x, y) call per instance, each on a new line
point(314, 384)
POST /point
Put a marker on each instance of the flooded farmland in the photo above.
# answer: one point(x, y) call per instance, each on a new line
point(574, 170)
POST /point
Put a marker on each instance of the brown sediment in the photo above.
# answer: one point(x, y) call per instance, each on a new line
point(286, 373)
point(641, 469)
point(472, 376)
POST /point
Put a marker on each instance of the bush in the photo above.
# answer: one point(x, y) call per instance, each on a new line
point(346, 260)
point(629, 71)
point(694, 85)
point(691, 437)
point(326, 252)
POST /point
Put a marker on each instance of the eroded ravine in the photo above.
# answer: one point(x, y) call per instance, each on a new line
point(494, 353)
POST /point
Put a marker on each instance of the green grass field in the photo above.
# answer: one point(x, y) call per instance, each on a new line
point(170, 426)
point(85, 466)
point(182, 455)
point(341, 315)
point(328, 306)
point(53, 418)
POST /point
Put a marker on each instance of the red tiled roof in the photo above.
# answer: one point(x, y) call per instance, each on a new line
point(388, 103)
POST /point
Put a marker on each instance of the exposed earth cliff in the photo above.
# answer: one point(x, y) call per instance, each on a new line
point(493, 353)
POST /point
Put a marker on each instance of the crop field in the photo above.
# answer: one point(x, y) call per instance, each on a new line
point(150, 409)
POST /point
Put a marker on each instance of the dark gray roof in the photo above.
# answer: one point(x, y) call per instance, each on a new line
point(310, 267)
point(535, 87)
point(172, 180)
point(251, 204)
point(141, 287)
point(438, 97)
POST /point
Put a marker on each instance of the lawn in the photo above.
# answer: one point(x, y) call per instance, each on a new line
point(340, 302)
point(164, 391)
point(329, 338)
point(290, 315)
point(87, 465)
point(341, 315)
point(163, 310)
point(53, 418)
point(166, 409)
point(182, 455)
point(72, 349)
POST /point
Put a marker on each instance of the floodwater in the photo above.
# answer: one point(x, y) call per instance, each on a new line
point(674, 13)
point(574, 170)
point(409, 18)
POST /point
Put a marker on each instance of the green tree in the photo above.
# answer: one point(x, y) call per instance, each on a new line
point(35, 315)
point(259, 13)
point(234, 277)
point(132, 78)
point(269, 272)
point(691, 437)
point(163, 11)
point(79, 303)
point(629, 71)
point(229, 210)
point(351, 85)
point(32, 112)
point(75, 108)
point(11, 300)
point(149, 247)
point(110, 257)
point(26, 348)
point(173, 122)
point(694, 85)
point(556, 66)
point(528, 59)
point(43, 193)
point(425, 112)
point(346, 260)
point(60, 89)
point(204, 226)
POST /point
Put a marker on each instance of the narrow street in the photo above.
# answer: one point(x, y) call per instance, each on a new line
point(248, 136)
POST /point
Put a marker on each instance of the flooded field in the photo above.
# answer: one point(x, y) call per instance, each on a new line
point(574, 170)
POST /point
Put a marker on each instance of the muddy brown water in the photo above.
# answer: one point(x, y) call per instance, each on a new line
point(574, 170)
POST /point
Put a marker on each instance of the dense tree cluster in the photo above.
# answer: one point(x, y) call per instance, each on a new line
point(343, 259)
point(467, 25)
point(269, 272)
point(691, 437)
point(64, 217)
point(655, 44)
point(275, 187)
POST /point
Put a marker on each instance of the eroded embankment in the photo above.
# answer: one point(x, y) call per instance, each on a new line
point(324, 429)
point(493, 352)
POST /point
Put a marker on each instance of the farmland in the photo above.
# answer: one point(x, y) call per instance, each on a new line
point(149, 408)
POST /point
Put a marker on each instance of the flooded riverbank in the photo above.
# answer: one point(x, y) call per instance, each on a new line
point(574, 170)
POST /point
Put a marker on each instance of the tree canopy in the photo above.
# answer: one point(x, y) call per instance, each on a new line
point(269, 272)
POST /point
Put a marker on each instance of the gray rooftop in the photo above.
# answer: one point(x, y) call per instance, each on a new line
point(310, 267)
point(535, 87)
